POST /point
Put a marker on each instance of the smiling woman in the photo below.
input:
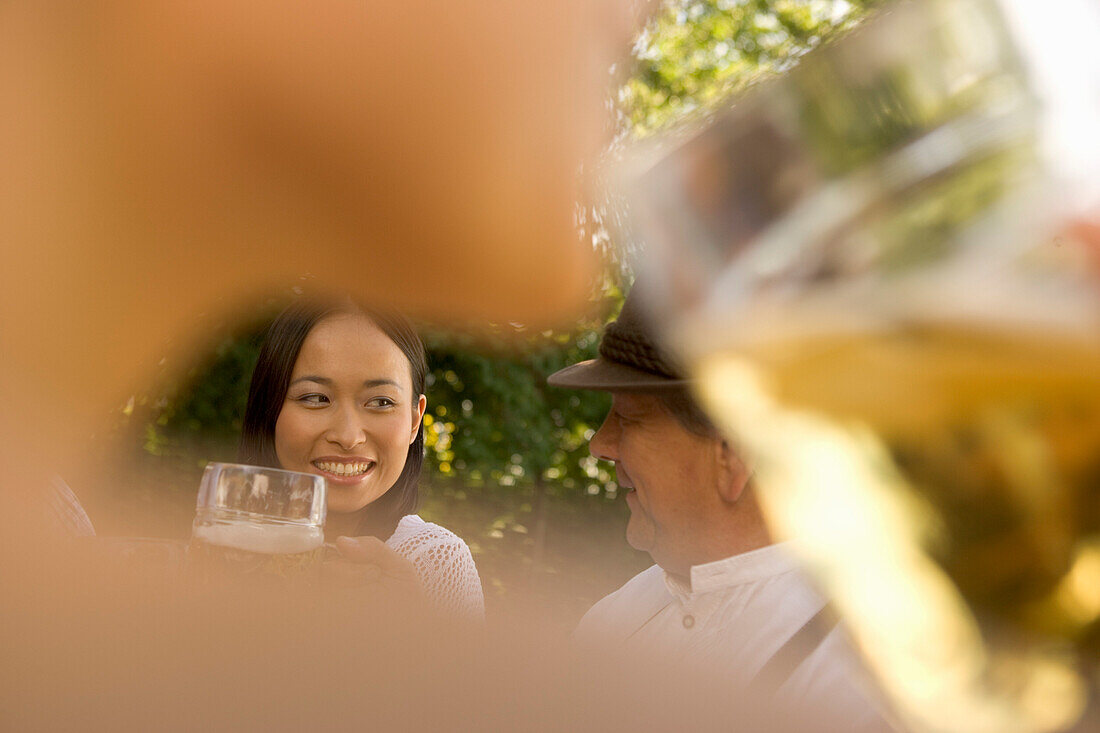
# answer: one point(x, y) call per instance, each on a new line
point(338, 392)
point(351, 412)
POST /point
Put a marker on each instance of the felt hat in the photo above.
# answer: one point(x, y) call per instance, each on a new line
point(629, 359)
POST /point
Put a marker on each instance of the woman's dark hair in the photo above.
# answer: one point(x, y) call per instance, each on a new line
point(271, 380)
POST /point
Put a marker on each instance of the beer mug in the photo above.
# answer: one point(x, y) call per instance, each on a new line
point(257, 522)
point(858, 264)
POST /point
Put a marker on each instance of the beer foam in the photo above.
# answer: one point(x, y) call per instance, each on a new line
point(267, 539)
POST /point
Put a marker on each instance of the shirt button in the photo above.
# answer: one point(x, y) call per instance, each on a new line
point(689, 621)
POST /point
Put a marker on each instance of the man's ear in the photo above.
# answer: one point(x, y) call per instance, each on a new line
point(733, 473)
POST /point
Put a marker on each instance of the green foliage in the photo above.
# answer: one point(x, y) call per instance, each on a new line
point(215, 401)
point(198, 417)
point(695, 54)
point(492, 417)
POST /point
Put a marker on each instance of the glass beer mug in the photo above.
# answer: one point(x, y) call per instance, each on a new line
point(257, 522)
point(858, 265)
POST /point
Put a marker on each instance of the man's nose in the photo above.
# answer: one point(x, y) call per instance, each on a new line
point(346, 429)
point(604, 444)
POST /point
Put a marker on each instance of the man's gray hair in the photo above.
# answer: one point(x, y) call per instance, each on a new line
point(682, 406)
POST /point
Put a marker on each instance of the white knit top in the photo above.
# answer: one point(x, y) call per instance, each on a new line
point(446, 567)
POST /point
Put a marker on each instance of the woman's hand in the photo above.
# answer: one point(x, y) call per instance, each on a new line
point(367, 564)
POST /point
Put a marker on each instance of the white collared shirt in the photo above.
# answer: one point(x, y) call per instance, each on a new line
point(734, 616)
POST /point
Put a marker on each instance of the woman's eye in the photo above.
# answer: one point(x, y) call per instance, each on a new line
point(381, 402)
point(313, 399)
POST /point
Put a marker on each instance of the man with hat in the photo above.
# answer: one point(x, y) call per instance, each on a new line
point(721, 593)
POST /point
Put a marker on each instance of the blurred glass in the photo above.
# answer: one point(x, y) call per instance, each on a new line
point(858, 263)
point(258, 522)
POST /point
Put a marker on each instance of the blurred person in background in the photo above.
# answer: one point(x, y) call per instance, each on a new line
point(200, 154)
point(721, 596)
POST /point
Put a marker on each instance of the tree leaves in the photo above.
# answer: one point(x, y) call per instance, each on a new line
point(696, 54)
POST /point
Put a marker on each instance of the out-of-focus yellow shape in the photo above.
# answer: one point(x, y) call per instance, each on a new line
point(1079, 592)
point(866, 534)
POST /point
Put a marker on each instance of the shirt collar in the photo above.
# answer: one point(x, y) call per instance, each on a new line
point(748, 567)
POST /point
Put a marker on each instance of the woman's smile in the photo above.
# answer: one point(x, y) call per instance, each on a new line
point(343, 470)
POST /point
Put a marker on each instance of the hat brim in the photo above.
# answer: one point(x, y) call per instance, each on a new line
point(611, 376)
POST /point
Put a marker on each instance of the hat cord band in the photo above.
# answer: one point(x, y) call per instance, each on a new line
point(635, 352)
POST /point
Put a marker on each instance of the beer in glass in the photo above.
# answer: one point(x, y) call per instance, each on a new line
point(859, 265)
point(257, 522)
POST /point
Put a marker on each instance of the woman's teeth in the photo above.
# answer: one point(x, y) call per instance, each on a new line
point(343, 469)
